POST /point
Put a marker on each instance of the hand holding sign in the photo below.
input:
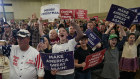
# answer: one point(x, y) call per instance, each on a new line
point(98, 45)
point(111, 25)
point(53, 72)
point(122, 32)
point(83, 64)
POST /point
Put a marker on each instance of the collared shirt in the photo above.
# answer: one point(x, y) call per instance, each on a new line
point(34, 36)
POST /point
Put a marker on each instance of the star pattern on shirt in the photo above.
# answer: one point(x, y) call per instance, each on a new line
point(6, 50)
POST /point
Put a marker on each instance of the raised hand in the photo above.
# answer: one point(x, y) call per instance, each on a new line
point(39, 20)
point(39, 46)
point(111, 25)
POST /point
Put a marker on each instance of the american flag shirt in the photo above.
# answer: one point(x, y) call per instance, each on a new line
point(23, 64)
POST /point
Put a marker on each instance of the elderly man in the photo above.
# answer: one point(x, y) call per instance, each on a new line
point(25, 61)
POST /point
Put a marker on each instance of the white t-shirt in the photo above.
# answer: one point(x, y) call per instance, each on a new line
point(69, 46)
point(25, 64)
point(130, 51)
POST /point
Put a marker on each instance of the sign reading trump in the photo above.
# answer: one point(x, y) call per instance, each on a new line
point(50, 11)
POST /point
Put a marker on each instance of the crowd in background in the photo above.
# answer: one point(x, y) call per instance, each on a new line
point(121, 60)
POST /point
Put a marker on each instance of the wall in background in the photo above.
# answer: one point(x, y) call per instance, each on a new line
point(8, 10)
point(25, 8)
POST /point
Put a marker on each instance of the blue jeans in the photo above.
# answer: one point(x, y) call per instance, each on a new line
point(69, 76)
point(83, 75)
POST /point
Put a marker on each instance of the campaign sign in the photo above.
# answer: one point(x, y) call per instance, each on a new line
point(93, 39)
point(94, 59)
point(137, 19)
point(58, 61)
point(67, 13)
point(80, 14)
point(120, 15)
point(50, 11)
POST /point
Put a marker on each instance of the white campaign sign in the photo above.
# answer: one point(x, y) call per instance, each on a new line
point(50, 11)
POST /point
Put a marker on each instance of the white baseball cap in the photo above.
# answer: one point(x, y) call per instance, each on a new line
point(23, 33)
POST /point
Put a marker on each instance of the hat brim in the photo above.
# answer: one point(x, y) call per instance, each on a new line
point(112, 38)
point(23, 36)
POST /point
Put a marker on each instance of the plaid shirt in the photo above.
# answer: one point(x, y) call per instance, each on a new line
point(34, 36)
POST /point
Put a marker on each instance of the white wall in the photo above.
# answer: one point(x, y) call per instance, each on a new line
point(25, 8)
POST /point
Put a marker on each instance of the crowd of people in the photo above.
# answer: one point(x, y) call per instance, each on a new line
point(23, 42)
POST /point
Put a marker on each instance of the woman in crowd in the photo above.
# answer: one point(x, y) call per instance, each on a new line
point(111, 61)
point(129, 60)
